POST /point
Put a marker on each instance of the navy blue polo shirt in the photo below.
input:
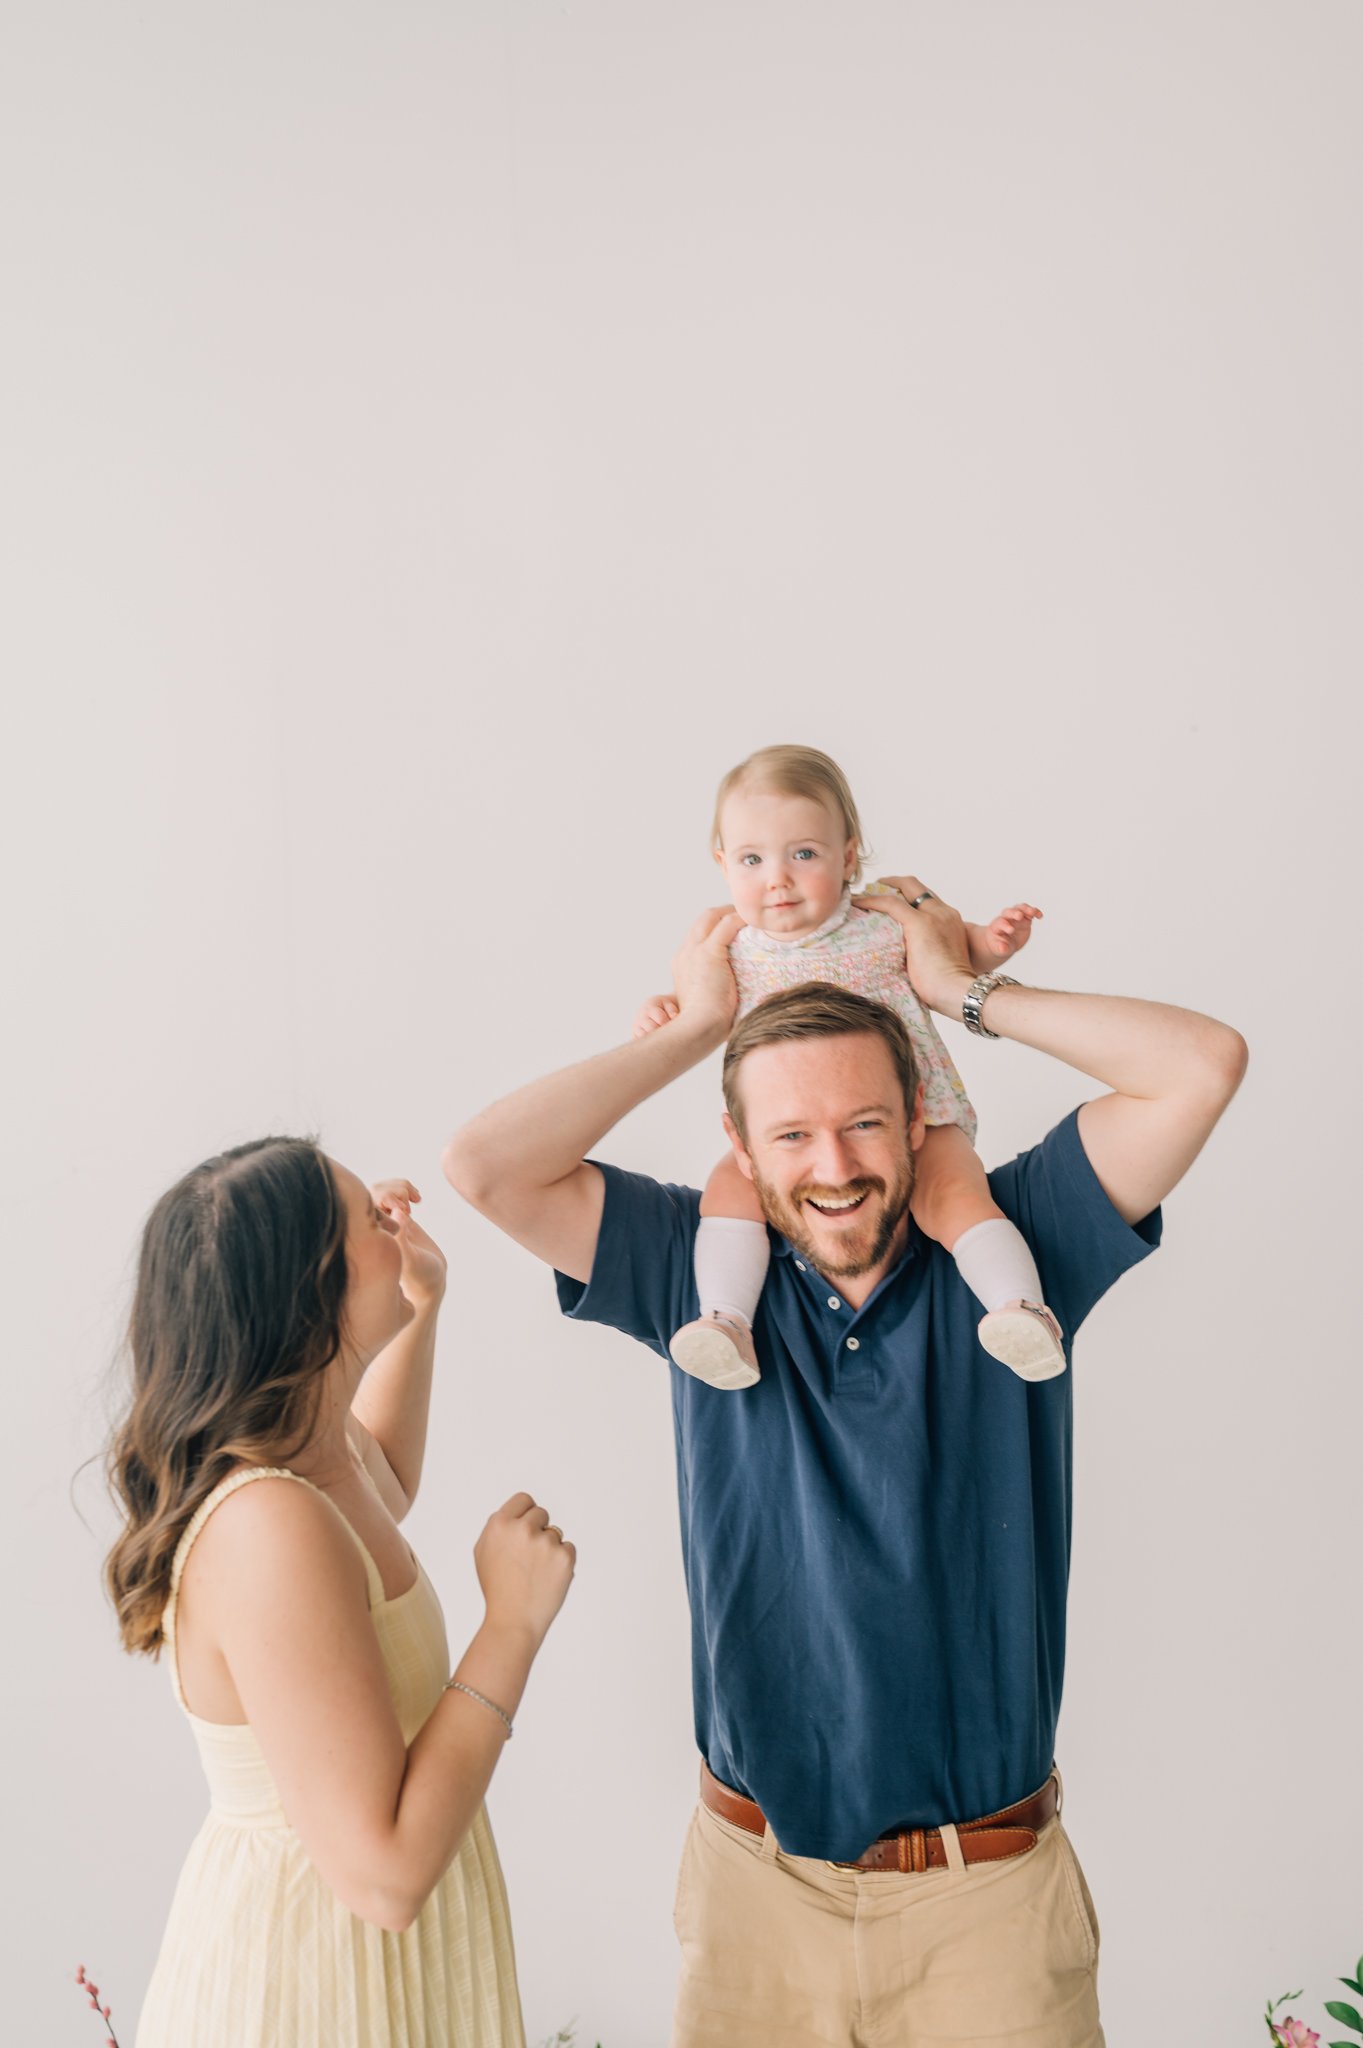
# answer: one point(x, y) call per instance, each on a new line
point(876, 1536)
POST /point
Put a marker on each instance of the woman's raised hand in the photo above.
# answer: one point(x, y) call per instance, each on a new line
point(423, 1262)
point(525, 1567)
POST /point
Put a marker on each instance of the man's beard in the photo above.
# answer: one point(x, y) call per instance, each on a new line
point(860, 1252)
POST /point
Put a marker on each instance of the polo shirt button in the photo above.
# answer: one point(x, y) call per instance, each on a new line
point(798, 1267)
point(854, 1344)
point(833, 1301)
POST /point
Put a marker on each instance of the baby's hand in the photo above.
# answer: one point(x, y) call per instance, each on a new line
point(1010, 931)
point(656, 1012)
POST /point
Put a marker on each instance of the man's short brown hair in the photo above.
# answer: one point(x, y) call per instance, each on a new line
point(816, 1009)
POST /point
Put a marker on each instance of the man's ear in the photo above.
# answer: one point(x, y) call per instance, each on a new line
point(917, 1127)
point(740, 1149)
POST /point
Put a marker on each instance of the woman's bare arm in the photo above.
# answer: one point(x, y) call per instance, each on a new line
point(392, 1404)
point(381, 1821)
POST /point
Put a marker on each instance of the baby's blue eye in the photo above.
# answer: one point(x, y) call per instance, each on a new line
point(748, 860)
point(805, 853)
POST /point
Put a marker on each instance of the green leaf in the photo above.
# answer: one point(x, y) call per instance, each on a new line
point(1352, 1982)
point(1349, 2014)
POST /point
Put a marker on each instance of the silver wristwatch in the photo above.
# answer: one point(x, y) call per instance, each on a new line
point(973, 1001)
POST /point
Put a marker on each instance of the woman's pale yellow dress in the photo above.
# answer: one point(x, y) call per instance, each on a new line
point(259, 1953)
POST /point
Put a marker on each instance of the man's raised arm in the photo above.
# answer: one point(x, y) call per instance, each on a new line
point(1172, 1072)
point(522, 1162)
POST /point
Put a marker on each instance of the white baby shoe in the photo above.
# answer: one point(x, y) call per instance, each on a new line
point(719, 1350)
point(1025, 1336)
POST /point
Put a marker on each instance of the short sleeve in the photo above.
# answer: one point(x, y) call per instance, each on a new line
point(1080, 1242)
point(641, 1279)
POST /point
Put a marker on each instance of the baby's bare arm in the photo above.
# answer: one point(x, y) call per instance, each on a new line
point(991, 944)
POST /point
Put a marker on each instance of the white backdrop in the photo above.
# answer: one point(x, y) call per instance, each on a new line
point(439, 441)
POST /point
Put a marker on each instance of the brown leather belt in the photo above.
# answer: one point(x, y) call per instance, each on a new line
point(1012, 1831)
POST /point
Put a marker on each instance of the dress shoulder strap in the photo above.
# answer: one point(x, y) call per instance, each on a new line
point(200, 1516)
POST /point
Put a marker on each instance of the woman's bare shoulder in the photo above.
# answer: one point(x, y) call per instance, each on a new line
point(266, 1522)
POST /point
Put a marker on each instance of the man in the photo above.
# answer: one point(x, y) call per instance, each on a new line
point(876, 1535)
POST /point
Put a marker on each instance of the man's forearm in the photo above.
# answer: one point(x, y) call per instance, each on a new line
point(1136, 1048)
point(544, 1131)
point(522, 1161)
point(1171, 1072)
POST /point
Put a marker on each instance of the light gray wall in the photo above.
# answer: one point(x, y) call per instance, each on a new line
point(439, 441)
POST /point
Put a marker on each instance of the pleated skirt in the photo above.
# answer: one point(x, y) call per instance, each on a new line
point(259, 1953)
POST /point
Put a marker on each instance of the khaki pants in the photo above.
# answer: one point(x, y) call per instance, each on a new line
point(787, 1952)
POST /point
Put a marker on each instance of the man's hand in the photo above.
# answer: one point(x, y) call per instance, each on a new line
point(709, 981)
point(936, 942)
point(707, 993)
point(524, 1162)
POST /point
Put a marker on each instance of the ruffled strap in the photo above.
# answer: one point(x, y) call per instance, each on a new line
point(196, 1522)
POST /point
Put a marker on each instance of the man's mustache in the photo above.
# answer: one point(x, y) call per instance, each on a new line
point(814, 1192)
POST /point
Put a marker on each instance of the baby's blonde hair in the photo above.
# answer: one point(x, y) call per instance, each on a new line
point(794, 771)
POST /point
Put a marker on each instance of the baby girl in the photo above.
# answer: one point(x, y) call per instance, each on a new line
point(788, 837)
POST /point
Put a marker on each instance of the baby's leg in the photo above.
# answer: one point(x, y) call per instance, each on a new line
point(729, 1193)
point(952, 1203)
point(731, 1257)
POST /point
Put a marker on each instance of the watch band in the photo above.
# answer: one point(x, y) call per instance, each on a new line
point(973, 1002)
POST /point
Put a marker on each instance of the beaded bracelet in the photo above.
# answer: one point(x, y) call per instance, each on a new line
point(458, 1685)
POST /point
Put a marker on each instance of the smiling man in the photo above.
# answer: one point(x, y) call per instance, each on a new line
point(836, 1183)
point(876, 1535)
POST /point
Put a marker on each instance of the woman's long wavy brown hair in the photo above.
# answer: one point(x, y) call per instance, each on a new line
point(237, 1314)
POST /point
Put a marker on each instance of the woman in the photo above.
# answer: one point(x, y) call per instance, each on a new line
point(345, 1888)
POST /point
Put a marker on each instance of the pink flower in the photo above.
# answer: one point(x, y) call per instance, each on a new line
point(92, 1999)
point(1295, 2034)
